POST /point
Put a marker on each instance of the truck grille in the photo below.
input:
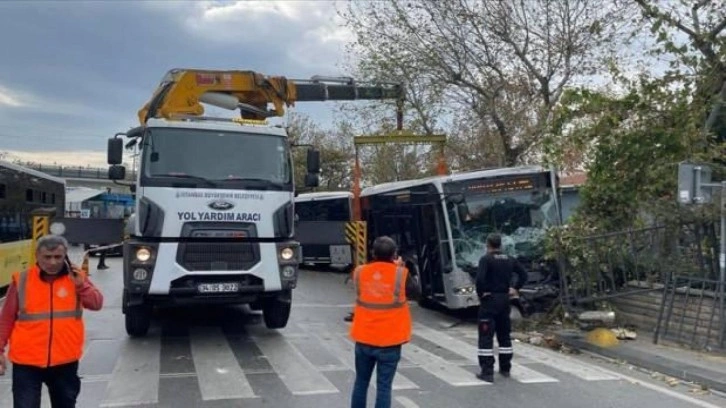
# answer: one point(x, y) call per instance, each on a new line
point(218, 256)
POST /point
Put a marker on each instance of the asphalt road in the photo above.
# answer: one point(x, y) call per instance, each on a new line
point(225, 357)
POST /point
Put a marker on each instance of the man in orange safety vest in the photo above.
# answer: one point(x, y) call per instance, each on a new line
point(42, 318)
point(382, 321)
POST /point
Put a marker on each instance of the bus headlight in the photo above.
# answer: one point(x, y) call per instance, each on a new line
point(286, 254)
point(143, 254)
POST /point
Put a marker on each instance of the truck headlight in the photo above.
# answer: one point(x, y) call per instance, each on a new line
point(287, 253)
point(143, 254)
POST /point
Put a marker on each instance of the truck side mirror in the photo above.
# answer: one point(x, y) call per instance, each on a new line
point(313, 161)
point(115, 150)
point(116, 172)
point(312, 180)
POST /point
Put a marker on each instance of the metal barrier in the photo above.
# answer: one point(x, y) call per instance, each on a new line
point(75, 172)
point(692, 313)
point(629, 262)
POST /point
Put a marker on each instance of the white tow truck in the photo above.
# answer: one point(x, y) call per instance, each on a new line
point(214, 219)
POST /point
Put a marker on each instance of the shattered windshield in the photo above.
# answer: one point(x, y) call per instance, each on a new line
point(521, 217)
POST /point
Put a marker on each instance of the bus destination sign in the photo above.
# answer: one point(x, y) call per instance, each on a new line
point(506, 185)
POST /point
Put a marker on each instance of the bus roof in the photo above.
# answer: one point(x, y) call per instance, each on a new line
point(323, 195)
point(33, 172)
point(497, 172)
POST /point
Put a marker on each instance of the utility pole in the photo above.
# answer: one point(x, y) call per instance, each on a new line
point(694, 187)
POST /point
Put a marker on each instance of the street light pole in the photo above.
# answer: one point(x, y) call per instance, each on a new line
point(722, 260)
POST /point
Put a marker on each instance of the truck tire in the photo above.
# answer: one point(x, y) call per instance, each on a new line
point(276, 311)
point(138, 320)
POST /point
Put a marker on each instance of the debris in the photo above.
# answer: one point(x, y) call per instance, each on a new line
point(698, 391)
point(672, 381)
point(536, 340)
point(568, 350)
point(604, 317)
point(624, 334)
point(552, 342)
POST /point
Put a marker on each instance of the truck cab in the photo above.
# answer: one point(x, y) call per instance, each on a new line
point(214, 219)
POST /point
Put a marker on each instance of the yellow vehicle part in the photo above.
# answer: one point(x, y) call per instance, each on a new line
point(181, 90)
point(14, 257)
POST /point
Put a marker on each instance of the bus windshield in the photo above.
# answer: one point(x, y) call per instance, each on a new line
point(337, 209)
point(521, 217)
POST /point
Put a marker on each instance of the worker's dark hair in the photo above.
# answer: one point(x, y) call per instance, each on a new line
point(494, 240)
point(384, 248)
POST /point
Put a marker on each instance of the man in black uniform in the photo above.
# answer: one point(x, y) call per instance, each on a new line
point(494, 287)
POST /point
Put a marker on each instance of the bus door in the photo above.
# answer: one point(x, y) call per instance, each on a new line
point(430, 244)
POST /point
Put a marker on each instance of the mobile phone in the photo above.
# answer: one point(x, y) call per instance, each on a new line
point(68, 265)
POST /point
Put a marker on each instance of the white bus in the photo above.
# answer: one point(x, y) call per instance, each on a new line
point(320, 220)
point(441, 224)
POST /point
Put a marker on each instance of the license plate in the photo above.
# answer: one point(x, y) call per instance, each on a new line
point(218, 287)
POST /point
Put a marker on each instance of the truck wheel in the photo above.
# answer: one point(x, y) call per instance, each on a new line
point(138, 320)
point(276, 311)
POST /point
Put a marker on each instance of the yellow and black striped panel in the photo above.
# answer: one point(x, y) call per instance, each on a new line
point(356, 235)
point(40, 227)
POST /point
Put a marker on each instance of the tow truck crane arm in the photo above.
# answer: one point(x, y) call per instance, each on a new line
point(182, 91)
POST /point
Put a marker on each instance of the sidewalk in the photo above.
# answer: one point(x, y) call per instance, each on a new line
point(702, 368)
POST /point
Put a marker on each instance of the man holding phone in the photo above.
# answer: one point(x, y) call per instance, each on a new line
point(42, 318)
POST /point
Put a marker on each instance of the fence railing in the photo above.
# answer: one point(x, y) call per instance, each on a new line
point(692, 313)
point(678, 263)
point(603, 266)
point(75, 171)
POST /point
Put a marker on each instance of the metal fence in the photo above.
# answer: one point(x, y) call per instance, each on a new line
point(677, 264)
point(622, 263)
point(692, 313)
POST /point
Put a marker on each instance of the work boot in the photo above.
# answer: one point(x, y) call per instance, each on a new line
point(485, 377)
point(505, 373)
point(349, 318)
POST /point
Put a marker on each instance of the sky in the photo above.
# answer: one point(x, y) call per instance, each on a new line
point(73, 73)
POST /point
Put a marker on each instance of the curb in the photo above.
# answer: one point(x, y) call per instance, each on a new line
point(690, 373)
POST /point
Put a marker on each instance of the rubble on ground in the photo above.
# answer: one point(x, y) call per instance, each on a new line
point(624, 334)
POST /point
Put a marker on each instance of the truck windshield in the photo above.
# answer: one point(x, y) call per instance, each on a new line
point(521, 217)
point(215, 159)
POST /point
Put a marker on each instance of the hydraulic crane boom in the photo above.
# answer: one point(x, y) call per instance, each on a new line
point(182, 91)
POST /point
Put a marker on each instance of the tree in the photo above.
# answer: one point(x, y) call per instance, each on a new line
point(630, 141)
point(692, 33)
point(336, 155)
point(502, 64)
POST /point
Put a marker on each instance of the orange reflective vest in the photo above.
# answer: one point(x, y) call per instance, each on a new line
point(49, 327)
point(382, 317)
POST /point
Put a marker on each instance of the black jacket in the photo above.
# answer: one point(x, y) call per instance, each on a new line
point(495, 272)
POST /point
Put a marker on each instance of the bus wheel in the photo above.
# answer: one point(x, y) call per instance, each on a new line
point(138, 320)
point(276, 311)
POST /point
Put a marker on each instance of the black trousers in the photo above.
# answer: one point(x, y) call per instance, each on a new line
point(494, 319)
point(62, 381)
